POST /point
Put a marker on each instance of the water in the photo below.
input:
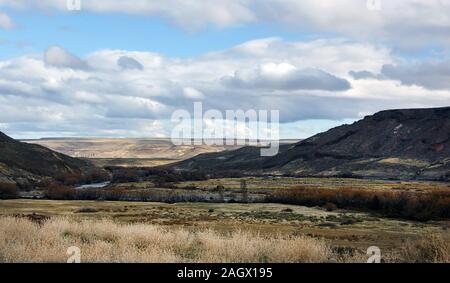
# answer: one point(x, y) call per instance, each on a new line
point(94, 186)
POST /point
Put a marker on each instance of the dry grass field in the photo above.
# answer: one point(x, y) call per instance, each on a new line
point(105, 241)
point(175, 229)
point(331, 235)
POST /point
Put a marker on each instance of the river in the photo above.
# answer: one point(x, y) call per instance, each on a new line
point(94, 186)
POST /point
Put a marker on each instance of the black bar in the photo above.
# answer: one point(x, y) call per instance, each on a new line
point(234, 272)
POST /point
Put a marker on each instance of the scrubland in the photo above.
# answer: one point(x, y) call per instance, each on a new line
point(42, 230)
point(251, 219)
point(22, 240)
point(422, 201)
point(421, 206)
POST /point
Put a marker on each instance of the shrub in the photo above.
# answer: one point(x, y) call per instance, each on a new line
point(59, 192)
point(330, 206)
point(96, 175)
point(429, 249)
point(87, 210)
point(160, 176)
point(422, 206)
point(76, 178)
point(70, 179)
point(8, 190)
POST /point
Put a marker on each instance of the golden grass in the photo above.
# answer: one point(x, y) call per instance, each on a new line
point(431, 248)
point(105, 241)
point(22, 240)
point(255, 183)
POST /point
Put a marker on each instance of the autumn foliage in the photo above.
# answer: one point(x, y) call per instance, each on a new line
point(422, 206)
point(8, 190)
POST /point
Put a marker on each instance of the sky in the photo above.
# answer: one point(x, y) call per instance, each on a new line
point(121, 68)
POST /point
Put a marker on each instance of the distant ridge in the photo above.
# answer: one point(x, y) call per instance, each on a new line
point(392, 144)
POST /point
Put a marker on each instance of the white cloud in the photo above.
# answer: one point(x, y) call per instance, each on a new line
point(5, 21)
point(192, 93)
point(105, 99)
point(407, 23)
point(191, 15)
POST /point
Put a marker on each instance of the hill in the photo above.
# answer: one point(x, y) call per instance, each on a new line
point(140, 152)
point(392, 144)
point(22, 162)
point(115, 148)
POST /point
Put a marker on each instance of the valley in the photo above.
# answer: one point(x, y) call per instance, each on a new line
point(347, 233)
point(331, 196)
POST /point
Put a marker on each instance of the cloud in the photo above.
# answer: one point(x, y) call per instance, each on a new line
point(126, 62)
point(41, 95)
point(5, 21)
point(433, 75)
point(409, 24)
point(429, 74)
point(192, 93)
point(58, 57)
point(122, 106)
point(189, 15)
point(273, 77)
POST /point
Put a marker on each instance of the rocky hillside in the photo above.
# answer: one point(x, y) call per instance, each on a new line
point(23, 162)
point(393, 144)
